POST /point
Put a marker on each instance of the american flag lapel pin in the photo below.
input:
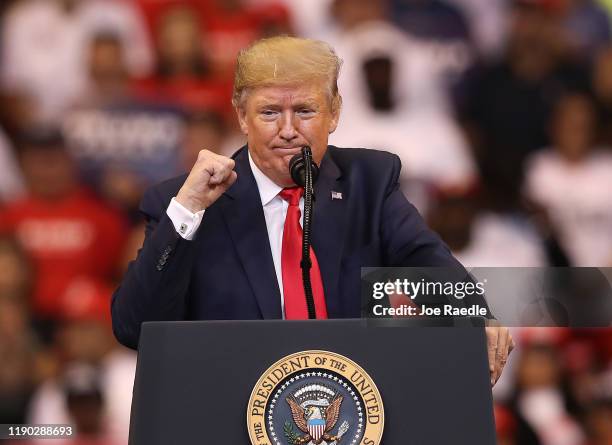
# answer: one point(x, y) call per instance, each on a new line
point(336, 195)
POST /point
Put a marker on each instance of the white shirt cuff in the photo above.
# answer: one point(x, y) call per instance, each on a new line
point(185, 222)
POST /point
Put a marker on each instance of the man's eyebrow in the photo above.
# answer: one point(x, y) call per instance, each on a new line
point(263, 103)
point(267, 103)
point(307, 103)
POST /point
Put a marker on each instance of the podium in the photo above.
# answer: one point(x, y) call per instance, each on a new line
point(195, 380)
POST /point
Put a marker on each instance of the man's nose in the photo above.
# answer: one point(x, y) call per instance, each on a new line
point(288, 130)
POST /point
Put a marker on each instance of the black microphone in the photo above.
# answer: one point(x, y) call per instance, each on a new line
point(304, 173)
point(297, 168)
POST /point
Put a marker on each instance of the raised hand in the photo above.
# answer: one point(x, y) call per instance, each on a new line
point(210, 177)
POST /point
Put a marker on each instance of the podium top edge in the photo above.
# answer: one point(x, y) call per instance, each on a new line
point(395, 322)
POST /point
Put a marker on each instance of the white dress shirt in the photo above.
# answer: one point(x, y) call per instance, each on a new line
point(275, 208)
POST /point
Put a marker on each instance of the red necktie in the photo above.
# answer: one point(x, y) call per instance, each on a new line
point(293, 289)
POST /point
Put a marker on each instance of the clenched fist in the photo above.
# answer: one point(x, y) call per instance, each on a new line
point(210, 177)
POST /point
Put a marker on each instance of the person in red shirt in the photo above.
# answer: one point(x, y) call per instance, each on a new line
point(234, 25)
point(152, 10)
point(184, 75)
point(228, 25)
point(197, 44)
point(70, 236)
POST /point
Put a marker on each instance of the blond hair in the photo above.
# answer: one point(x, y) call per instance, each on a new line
point(286, 60)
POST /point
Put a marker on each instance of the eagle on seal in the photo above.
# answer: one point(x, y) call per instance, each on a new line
point(316, 420)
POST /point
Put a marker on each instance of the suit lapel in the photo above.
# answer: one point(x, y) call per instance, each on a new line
point(328, 229)
point(245, 219)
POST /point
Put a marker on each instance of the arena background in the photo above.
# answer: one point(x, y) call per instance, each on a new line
point(500, 110)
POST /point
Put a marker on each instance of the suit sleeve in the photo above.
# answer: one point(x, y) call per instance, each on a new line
point(155, 285)
point(408, 242)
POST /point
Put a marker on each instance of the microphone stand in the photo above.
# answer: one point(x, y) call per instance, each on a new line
point(304, 172)
point(306, 263)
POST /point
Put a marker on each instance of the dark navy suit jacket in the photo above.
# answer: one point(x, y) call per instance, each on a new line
point(227, 271)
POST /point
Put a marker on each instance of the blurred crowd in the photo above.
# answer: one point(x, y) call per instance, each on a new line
point(500, 110)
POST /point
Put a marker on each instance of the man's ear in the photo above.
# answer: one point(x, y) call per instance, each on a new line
point(242, 120)
point(335, 111)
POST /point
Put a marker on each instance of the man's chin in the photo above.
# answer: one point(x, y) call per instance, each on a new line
point(287, 159)
point(282, 177)
point(285, 182)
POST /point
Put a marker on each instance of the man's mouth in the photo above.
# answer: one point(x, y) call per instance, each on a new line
point(288, 151)
point(292, 148)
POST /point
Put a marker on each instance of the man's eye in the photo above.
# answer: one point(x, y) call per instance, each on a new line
point(268, 113)
point(306, 111)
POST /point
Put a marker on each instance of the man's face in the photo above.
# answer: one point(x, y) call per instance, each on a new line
point(279, 120)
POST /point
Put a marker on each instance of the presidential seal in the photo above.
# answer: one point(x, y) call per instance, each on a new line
point(315, 398)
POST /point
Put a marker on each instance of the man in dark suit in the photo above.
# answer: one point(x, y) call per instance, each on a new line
point(219, 241)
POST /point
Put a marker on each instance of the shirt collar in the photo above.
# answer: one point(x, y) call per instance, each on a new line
point(268, 189)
